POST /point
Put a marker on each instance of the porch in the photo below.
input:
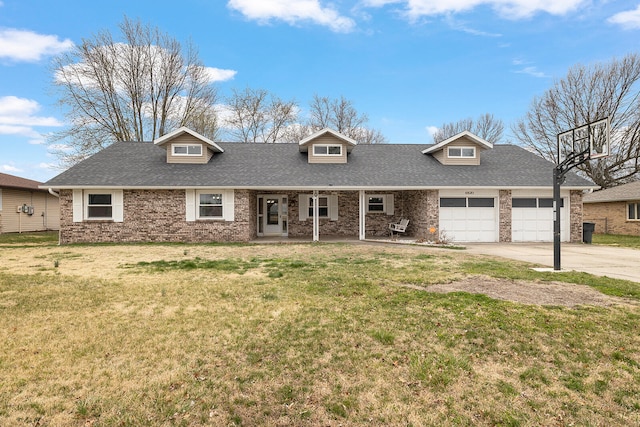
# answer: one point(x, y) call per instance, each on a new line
point(341, 215)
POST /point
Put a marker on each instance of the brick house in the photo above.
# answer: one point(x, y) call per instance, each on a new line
point(615, 210)
point(24, 206)
point(185, 187)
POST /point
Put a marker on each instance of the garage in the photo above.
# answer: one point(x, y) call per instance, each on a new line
point(532, 218)
point(469, 217)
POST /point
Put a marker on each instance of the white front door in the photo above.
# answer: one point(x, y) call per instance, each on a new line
point(272, 215)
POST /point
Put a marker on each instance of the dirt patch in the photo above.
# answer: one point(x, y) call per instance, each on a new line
point(528, 292)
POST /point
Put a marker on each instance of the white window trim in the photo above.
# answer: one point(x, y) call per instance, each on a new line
point(192, 208)
point(387, 204)
point(327, 154)
point(303, 206)
point(80, 205)
point(87, 195)
point(461, 156)
point(328, 206)
point(174, 146)
point(198, 205)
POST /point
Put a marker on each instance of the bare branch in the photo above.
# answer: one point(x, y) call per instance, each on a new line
point(135, 89)
point(486, 127)
point(585, 94)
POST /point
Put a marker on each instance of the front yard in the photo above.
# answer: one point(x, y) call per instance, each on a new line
point(308, 334)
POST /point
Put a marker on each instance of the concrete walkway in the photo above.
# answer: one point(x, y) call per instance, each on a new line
point(621, 263)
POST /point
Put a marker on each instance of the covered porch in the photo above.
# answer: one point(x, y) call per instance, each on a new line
point(342, 214)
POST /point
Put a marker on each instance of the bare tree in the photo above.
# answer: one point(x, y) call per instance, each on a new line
point(131, 90)
point(586, 94)
point(255, 115)
point(486, 127)
point(341, 116)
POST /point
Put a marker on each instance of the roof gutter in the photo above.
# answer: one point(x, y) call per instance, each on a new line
point(53, 193)
point(318, 187)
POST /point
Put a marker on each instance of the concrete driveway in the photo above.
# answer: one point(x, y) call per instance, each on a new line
point(621, 263)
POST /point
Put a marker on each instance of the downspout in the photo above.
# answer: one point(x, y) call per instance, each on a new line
point(53, 193)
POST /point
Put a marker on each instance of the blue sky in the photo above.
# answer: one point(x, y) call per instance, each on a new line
point(410, 65)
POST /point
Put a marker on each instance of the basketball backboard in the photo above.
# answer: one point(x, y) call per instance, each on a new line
point(591, 139)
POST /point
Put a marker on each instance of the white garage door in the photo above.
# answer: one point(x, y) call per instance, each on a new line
point(532, 219)
point(469, 219)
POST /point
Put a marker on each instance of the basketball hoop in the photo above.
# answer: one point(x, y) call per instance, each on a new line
point(576, 146)
point(586, 142)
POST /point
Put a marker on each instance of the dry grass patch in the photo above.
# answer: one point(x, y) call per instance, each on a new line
point(297, 335)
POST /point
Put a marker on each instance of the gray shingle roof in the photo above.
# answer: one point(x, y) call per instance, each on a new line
point(142, 164)
point(630, 191)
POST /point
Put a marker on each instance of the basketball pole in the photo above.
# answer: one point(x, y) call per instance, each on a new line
point(557, 181)
point(572, 160)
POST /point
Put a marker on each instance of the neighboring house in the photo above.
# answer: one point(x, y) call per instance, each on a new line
point(24, 206)
point(615, 210)
point(185, 187)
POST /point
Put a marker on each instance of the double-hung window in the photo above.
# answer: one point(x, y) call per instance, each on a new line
point(210, 206)
point(99, 206)
point(187, 149)
point(633, 211)
point(375, 204)
point(327, 206)
point(323, 207)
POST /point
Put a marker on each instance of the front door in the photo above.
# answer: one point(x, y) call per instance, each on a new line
point(272, 215)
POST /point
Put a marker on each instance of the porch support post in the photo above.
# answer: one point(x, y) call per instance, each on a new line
point(316, 215)
point(363, 214)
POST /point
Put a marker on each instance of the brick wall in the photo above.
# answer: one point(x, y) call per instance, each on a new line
point(611, 218)
point(157, 216)
point(422, 208)
point(575, 216)
point(505, 232)
point(348, 223)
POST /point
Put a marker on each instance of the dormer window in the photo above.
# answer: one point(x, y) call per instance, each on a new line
point(187, 149)
point(327, 150)
point(462, 152)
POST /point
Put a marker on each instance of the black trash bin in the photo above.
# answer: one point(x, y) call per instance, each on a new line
point(587, 231)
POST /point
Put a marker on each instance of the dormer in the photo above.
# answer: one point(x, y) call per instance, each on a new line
point(327, 146)
point(186, 146)
point(461, 149)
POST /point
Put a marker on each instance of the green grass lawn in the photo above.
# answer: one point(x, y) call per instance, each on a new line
point(325, 334)
point(36, 238)
point(617, 240)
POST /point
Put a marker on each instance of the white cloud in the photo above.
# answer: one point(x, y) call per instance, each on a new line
point(18, 116)
point(432, 130)
point(48, 166)
point(293, 12)
point(532, 71)
point(24, 131)
point(220, 75)
point(462, 26)
point(629, 19)
point(513, 9)
point(9, 168)
point(22, 45)
point(82, 74)
point(21, 112)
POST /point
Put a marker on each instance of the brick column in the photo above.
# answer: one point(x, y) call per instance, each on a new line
point(505, 215)
point(575, 216)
